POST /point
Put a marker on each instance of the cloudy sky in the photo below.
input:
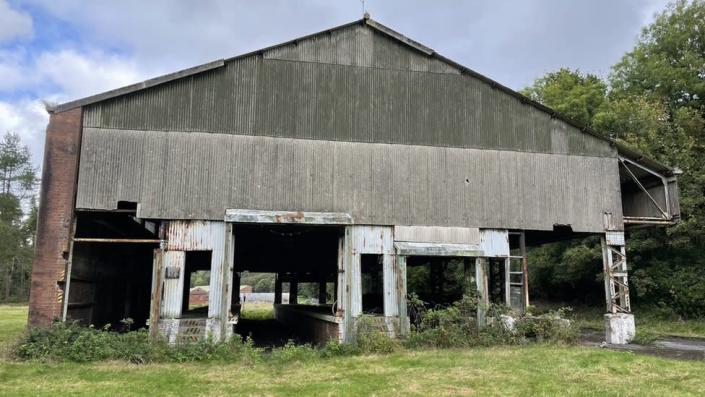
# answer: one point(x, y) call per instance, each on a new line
point(63, 50)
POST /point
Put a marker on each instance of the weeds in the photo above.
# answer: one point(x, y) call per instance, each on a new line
point(441, 327)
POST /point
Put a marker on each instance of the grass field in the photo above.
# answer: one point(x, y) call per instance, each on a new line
point(257, 311)
point(647, 322)
point(530, 370)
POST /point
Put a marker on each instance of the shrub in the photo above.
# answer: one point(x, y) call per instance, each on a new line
point(369, 338)
point(456, 326)
point(292, 352)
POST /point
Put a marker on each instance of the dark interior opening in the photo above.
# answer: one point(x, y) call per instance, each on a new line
point(439, 281)
point(110, 282)
point(304, 260)
point(372, 281)
point(496, 280)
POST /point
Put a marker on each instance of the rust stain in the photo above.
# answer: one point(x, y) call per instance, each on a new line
point(289, 217)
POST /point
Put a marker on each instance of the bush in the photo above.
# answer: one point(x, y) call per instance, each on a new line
point(72, 342)
point(456, 326)
point(371, 339)
point(292, 352)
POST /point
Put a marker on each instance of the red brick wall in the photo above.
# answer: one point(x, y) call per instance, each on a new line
point(56, 209)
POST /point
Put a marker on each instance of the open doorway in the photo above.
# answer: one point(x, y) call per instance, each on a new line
point(296, 267)
point(196, 284)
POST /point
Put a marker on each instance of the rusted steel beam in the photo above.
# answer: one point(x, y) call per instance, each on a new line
point(117, 240)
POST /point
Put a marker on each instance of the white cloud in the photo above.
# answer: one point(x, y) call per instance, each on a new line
point(13, 23)
point(27, 118)
point(75, 75)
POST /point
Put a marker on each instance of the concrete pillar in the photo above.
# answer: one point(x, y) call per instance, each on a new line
point(174, 264)
point(619, 321)
point(278, 289)
point(322, 292)
point(390, 285)
point(482, 290)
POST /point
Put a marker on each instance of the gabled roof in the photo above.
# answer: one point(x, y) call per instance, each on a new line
point(623, 149)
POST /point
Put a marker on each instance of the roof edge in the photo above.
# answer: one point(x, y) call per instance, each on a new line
point(136, 87)
point(621, 147)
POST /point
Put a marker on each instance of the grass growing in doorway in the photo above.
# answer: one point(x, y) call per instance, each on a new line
point(257, 311)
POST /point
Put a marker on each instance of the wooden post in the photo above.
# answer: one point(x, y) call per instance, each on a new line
point(525, 270)
point(507, 282)
point(401, 286)
point(156, 297)
point(482, 290)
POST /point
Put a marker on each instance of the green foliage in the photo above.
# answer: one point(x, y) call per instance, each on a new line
point(291, 352)
point(370, 337)
point(656, 103)
point(260, 282)
point(455, 326)
point(579, 96)
point(72, 342)
point(17, 183)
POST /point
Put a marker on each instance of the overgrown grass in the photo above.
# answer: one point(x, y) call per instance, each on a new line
point(257, 311)
point(13, 319)
point(528, 370)
point(539, 369)
point(650, 322)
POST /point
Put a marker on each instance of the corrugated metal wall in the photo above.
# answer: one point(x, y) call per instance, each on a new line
point(350, 85)
point(199, 175)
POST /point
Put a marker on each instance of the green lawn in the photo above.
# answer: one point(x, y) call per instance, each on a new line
point(530, 370)
point(13, 319)
point(647, 321)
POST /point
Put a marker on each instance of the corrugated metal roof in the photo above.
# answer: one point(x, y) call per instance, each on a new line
point(432, 55)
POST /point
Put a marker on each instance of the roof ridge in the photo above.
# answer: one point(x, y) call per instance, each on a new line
point(378, 27)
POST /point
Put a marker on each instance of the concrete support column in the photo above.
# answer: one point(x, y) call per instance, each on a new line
point(404, 324)
point(278, 289)
point(482, 290)
point(619, 322)
point(390, 285)
point(322, 292)
point(174, 263)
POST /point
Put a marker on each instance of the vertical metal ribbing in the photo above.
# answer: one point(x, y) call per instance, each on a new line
point(174, 263)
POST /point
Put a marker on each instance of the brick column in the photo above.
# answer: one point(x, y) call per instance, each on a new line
point(56, 209)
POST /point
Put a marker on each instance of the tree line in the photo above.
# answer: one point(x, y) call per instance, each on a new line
point(18, 218)
point(654, 100)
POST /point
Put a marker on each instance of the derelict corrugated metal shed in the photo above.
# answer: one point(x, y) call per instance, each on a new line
point(346, 121)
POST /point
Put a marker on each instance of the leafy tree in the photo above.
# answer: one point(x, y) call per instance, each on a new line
point(654, 102)
point(579, 96)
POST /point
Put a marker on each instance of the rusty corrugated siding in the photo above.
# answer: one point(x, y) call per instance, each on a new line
point(351, 85)
point(199, 175)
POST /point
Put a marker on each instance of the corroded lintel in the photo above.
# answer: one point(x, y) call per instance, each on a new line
point(311, 218)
